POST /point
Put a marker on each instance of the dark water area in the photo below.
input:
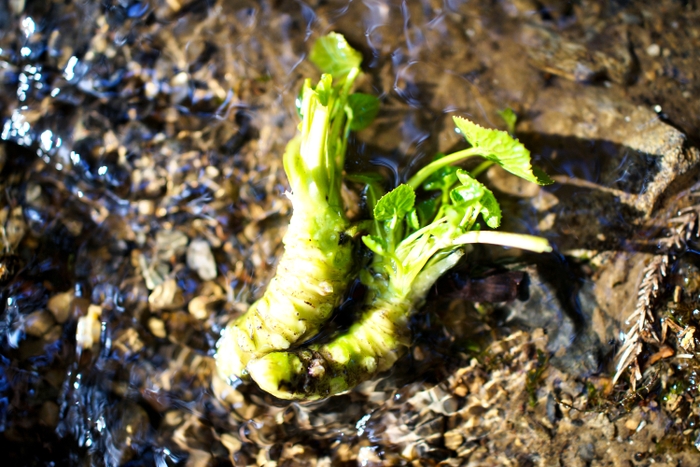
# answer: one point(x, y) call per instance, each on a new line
point(142, 207)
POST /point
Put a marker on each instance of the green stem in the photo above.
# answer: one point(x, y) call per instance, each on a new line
point(420, 176)
point(522, 241)
point(481, 168)
point(340, 131)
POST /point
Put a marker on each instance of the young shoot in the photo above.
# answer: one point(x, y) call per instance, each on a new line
point(316, 267)
point(413, 244)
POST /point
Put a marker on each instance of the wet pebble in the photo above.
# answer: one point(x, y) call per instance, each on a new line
point(180, 326)
point(88, 331)
point(453, 440)
point(653, 50)
point(48, 414)
point(201, 306)
point(60, 305)
point(170, 243)
point(157, 327)
point(367, 456)
point(38, 323)
point(198, 307)
point(201, 260)
point(127, 342)
point(53, 334)
point(166, 296)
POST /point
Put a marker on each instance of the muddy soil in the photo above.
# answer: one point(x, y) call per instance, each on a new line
point(143, 206)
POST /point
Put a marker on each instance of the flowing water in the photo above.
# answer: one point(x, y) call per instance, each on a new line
point(143, 206)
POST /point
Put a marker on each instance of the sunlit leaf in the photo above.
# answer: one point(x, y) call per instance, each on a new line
point(364, 110)
point(510, 118)
point(398, 202)
point(499, 147)
point(490, 209)
point(332, 54)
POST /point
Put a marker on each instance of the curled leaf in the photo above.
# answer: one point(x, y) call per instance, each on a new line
point(364, 109)
point(499, 147)
point(398, 202)
point(332, 54)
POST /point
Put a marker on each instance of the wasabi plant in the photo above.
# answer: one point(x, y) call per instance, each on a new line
point(317, 264)
point(413, 244)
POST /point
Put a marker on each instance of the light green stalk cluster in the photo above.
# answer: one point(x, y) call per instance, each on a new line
point(413, 244)
point(316, 267)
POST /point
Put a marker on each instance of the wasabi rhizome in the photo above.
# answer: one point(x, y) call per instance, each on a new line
point(315, 269)
point(412, 244)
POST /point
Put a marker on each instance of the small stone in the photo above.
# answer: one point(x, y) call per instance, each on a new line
point(232, 444)
point(211, 171)
point(201, 259)
point(461, 390)
point(157, 327)
point(151, 90)
point(632, 423)
point(418, 354)
point(198, 307)
point(166, 296)
point(180, 326)
point(88, 331)
point(111, 143)
point(48, 414)
point(453, 440)
point(38, 323)
point(53, 334)
point(127, 342)
point(368, 456)
point(179, 79)
point(59, 305)
point(653, 50)
point(226, 392)
point(169, 243)
point(510, 184)
point(16, 6)
point(146, 207)
point(172, 418)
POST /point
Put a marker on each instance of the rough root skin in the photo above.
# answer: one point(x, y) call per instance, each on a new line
point(369, 347)
point(308, 285)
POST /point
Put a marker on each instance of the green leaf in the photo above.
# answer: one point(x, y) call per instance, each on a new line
point(332, 54)
point(398, 202)
point(473, 190)
point(542, 178)
point(413, 220)
point(510, 118)
point(364, 177)
point(465, 178)
point(500, 147)
point(374, 243)
point(466, 194)
point(426, 210)
point(490, 209)
point(470, 189)
point(443, 179)
point(364, 109)
point(324, 88)
point(454, 215)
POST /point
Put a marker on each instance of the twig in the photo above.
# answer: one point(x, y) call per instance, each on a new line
point(642, 318)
